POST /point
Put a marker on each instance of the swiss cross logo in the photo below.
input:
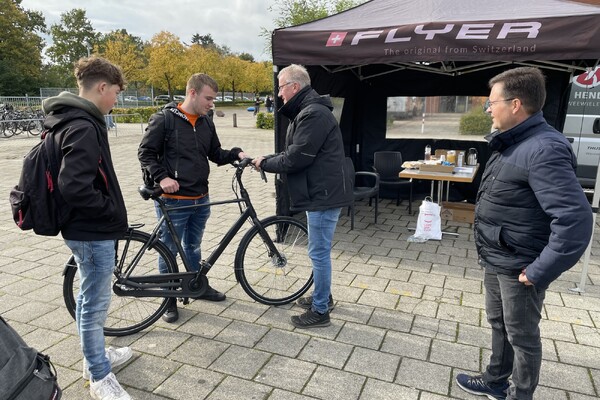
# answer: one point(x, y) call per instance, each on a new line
point(336, 39)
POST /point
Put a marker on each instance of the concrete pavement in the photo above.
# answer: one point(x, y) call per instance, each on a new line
point(408, 318)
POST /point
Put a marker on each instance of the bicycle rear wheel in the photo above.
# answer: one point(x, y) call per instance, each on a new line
point(267, 278)
point(126, 315)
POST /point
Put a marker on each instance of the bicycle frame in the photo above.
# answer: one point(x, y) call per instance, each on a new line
point(191, 283)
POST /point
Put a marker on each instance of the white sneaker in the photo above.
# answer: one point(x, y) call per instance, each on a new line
point(108, 389)
point(116, 357)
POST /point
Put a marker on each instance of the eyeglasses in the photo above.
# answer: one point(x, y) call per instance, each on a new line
point(489, 103)
point(284, 85)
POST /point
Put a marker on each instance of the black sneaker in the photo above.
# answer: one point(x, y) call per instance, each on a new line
point(476, 385)
point(212, 294)
point(311, 319)
point(171, 315)
point(306, 302)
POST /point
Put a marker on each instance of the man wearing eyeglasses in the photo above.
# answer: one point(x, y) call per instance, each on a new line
point(318, 183)
point(532, 223)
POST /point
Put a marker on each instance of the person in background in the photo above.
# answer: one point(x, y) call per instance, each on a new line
point(313, 162)
point(269, 104)
point(89, 185)
point(257, 105)
point(180, 166)
point(532, 223)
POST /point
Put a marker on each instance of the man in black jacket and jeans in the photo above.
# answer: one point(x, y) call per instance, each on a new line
point(179, 164)
point(89, 185)
point(318, 183)
point(532, 223)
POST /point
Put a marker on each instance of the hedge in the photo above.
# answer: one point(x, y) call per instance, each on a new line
point(265, 121)
point(477, 122)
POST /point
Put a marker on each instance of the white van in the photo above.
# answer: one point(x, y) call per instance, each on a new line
point(582, 124)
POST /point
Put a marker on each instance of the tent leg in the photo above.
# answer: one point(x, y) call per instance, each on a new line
point(588, 251)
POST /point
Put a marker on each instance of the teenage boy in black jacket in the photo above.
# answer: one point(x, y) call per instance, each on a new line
point(89, 185)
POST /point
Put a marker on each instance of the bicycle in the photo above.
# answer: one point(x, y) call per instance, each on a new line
point(271, 263)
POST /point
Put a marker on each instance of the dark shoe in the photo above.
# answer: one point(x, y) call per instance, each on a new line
point(306, 302)
point(311, 319)
point(212, 295)
point(476, 385)
point(171, 315)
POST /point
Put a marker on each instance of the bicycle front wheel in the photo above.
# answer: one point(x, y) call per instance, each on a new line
point(126, 315)
point(275, 279)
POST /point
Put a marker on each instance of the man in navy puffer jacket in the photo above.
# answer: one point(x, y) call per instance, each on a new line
point(532, 223)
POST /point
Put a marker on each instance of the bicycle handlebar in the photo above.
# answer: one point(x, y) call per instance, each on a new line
point(248, 161)
point(148, 192)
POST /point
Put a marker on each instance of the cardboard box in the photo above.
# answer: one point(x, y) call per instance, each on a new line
point(460, 212)
point(436, 168)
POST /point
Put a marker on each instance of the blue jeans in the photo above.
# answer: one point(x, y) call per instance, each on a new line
point(321, 227)
point(514, 312)
point(95, 263)
point(189, 225)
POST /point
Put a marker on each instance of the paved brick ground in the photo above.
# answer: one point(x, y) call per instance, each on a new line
point(408, 318)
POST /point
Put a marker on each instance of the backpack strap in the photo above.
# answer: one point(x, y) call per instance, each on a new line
point(169, 125)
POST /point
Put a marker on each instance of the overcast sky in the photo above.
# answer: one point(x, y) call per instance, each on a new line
point(233, 23)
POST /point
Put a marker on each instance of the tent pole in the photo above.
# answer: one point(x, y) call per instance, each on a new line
point(588, 251)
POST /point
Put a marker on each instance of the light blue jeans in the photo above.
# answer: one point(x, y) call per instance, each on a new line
point(189, 225)
point(95, 263)
point(321, 227)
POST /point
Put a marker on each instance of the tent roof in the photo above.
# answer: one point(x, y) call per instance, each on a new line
point(382, 13)
point(446, 36)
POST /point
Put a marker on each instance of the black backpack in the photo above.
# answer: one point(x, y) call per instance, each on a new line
point(25, 374)
point(36, 201)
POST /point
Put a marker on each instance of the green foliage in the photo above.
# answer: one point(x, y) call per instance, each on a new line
point(265, 121)
point(145, 112)
point(476, 122)
point(20, 48)
point(72, 38)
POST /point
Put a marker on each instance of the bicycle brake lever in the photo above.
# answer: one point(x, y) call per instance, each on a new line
point(263, 175)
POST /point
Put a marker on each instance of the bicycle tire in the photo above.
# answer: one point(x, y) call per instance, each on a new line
point(35, 127)
point(7, 130)
point(265, 279)
point(126, 315)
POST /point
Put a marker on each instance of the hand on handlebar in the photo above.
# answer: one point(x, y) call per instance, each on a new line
point(257, 161)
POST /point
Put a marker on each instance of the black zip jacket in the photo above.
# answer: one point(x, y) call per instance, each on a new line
point(531, 212)
point(183, 154)
point(87, 180)
point(314, 156)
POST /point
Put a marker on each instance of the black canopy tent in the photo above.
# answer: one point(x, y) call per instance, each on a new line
point(432, 48)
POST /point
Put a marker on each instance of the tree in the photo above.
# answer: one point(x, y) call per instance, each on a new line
point(166, 62)
point(296, 12)
point(208, 42)
point(124, 50)
point(73, 38)
point(260, 77)
point(246, 57)
point(20, 48)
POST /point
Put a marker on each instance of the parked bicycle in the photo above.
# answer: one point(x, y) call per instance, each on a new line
point(15, 121)
point(271, 263)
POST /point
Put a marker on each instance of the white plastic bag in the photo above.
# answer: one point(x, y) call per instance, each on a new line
point(429, 223)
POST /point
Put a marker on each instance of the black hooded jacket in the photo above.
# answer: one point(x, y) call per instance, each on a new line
point(314, 156)
point(87, 179)
point(184, 153)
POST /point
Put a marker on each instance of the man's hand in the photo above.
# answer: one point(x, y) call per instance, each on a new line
point(242, 155)
point(169, 185)
point(523, 279)
point(257, 161)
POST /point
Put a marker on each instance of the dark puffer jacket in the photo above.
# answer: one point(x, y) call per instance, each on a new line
point(531, 212)
point(314, 156)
